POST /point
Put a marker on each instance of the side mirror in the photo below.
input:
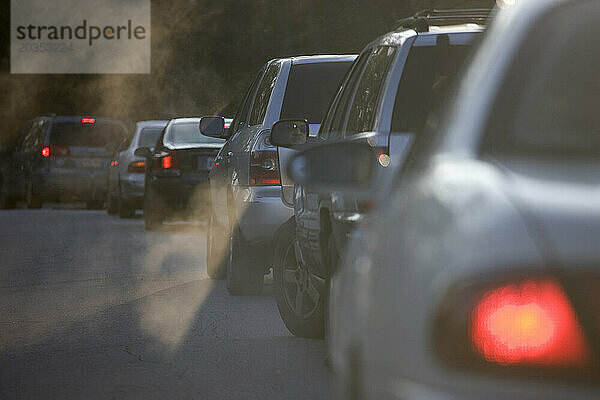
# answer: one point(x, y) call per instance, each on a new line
point(289, 132)
point(212, 126)
point(345, 165)
point(143, 152)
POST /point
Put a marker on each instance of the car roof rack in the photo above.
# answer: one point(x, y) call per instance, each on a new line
point(422, 20)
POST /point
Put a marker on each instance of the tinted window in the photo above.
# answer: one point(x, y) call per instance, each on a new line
point(98, 134)
point(184, 133)
point(334, 130)
point(310, 88)
point(427, 76)
point(264, 94)
point(366, 99)
point(550, 100)
point(241, 116)
point(149, 136)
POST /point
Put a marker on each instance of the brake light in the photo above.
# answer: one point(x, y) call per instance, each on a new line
point(264, 162)
point(264, 168)
point(137, 166)
point(54, 150)
point(88, 120)
point(528, 323)
point(167, 162)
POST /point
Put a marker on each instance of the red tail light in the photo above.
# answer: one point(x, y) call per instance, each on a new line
point(264, 162)
point(137, 166)
point(264, 168)
point(168, 162)
point(531, 322)
point(54, 150)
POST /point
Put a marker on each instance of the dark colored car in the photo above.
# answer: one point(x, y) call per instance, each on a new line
point(177, 172)
point(385, 100)
point(61, 159)
point(246, 207)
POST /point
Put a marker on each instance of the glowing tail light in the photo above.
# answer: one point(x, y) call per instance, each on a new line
point(168, 162)
point(54, 150)
point(137, 166)
point(528, 323)
point(88, 120)
point(264, 162)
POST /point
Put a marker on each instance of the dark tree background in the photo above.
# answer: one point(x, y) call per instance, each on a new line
point(204, 53)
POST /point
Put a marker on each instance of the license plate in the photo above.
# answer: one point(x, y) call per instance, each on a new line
point(205, 163)
point(91, 163)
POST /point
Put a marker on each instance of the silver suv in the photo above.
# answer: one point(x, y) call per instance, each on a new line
point(247, 208)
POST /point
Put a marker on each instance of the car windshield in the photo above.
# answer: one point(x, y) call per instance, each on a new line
point(77, 133)
point(183, 133)
point(310, 88)
point(149, 136)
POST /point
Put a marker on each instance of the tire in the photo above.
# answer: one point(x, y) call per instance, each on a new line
point(112, 204)
point(95, 205)
point(126, 209)
point(304, 317)
point(243, 276)
point(216, 262)
point(153, 212)
point(6, 202)
point(33, 200)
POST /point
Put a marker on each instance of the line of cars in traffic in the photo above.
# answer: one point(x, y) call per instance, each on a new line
point(429, 205)
point(447, 249)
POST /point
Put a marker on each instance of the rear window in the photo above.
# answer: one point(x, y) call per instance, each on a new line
point(149, 136)
point(189, 133)
point(310, 89)
point(79, 134)
point(428, 75)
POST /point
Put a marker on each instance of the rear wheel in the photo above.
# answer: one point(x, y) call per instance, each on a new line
point(112, 202)
point(300, 294)
point(95, 205)
point(216, 244)
point(153, 212)
point(32, 199)
point(6, 202)
point(243, 276)
point(126, 209)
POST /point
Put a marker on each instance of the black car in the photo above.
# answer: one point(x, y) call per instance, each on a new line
point(61, 158)
point(177, 172)
point(385, 101)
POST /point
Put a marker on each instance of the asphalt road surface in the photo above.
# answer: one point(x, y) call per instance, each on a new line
point(94, 307)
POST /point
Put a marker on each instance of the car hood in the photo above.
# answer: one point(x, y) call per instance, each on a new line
point(560, 202)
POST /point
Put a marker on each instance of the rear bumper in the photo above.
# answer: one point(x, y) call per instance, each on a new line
point(132, 188)
point(66, 184)
point(182, 192)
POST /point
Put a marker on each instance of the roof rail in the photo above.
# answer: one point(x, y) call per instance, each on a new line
point(422, 20)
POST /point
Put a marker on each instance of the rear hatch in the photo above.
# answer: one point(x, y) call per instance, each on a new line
point(195, 152)
point(83, 143)
point(309, 90)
